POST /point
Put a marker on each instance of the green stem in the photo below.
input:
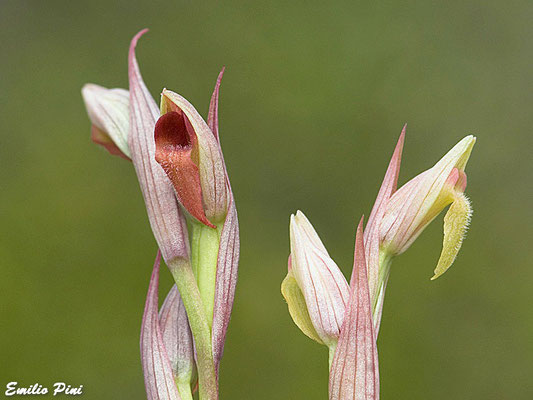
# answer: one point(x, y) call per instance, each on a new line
point(385, 262)
point(183, 276)
point(204, 244)
point(185, 390)
point(332, 349)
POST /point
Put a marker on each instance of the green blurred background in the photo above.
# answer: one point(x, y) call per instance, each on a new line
point(314, 97)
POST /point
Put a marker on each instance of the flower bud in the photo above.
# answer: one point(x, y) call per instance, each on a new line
point(321, 282)
point(412, 207)
point(190, 155)
point(108, 111)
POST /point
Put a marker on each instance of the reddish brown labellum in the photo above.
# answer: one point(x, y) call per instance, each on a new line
point(177, 153)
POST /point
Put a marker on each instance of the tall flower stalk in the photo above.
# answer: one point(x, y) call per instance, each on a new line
point(184, 182)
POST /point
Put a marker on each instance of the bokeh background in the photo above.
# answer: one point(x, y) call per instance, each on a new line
point(314, 97)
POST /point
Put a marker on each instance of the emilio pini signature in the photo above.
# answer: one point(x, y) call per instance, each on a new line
point(58, 388)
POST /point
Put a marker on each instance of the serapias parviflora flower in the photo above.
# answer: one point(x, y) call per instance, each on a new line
point(412, 207)
point(190, 154)
point(399, 216)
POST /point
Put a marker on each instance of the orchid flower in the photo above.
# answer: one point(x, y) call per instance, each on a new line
point(420, 200)
point(189, 153)
point(399, 216)
point(315, 288)
point(181, 172)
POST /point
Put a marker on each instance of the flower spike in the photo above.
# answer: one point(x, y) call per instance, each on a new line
point(181, 170)
point(158, 375)
point(354, 373)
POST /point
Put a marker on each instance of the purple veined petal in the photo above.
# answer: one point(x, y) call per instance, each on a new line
point(429, 193)
point(212, 116)
point(399, 206)
point(177, 335)
point(212, 119)
point(226, 280)
point(158, 375)
point(322, 283)
point(371, 234)
point(354, 373)
point(228, 252)
point(166, 219)
point(389, 184)
point(307, 231)
point(212, 122)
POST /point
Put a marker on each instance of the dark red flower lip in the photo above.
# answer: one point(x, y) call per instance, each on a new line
point(177, 153)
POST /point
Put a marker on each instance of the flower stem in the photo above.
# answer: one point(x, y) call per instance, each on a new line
point(332, 349)
point(185, 391)
point(204, 244)
point(385, 262)
point(183, 276)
